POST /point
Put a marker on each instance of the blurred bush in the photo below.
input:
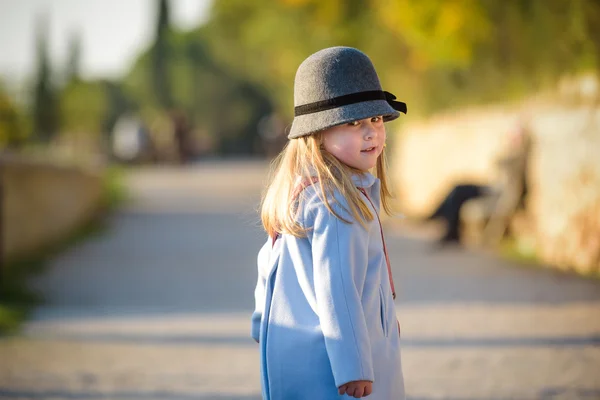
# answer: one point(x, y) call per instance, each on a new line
point(13, 133)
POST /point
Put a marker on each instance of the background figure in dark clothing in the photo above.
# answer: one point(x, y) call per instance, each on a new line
point(182, 133)
point(505, 197)
point(450, 207)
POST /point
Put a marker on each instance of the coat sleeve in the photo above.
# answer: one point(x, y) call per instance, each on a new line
point(340, 258)
point(259, 291)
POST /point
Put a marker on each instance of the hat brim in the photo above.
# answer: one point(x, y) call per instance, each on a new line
point(308, 124)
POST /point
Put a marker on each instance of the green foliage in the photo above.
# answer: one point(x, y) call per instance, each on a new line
point(12, 131)
point(16, 298)
point(10, 319)
point(435, 54)
point(437, 33)
point(83, 106)
point(114, 191)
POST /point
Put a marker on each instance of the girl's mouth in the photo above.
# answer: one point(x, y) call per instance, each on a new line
point(368, 150)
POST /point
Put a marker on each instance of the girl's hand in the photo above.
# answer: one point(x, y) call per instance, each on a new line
point(357, 389)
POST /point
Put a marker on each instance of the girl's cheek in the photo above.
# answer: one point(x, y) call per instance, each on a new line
point(346, 154)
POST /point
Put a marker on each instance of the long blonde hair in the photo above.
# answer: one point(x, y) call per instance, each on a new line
point(305, 157)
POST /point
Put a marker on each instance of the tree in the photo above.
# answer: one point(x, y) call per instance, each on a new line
point(74, 58)
point(161, 55)
point(45, 107)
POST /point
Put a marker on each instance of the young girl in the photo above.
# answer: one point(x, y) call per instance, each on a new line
point(325, 316)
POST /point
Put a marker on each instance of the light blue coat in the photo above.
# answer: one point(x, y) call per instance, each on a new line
point(324, 312)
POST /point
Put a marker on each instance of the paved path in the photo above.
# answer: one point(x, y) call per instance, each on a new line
point(158, 308)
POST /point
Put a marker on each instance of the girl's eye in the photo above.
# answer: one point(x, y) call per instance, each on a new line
point(376, 119)
point(354, 123)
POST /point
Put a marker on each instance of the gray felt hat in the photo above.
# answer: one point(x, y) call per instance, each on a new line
point(335, 86)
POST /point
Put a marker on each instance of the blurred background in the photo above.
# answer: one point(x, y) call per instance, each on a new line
point(215, 70)
point(135, 140)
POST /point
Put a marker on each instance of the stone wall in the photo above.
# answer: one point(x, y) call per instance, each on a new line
point(563, 207)
point(565, 202)
point(44, 203)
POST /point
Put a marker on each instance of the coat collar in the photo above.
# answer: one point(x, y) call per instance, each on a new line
point(364, 180)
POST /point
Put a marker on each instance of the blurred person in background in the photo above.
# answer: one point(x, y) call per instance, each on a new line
point(182, 134)
point(131, 142)
point(499, 201)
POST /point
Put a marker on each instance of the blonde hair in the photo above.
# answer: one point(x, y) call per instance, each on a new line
point(305, 157)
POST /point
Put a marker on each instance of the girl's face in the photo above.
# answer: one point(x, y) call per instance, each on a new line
point(358, 143)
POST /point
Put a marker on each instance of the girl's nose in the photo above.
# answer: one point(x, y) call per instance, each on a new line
point(370, 132)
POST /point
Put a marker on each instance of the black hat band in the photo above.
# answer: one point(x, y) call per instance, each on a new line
point(352, 98)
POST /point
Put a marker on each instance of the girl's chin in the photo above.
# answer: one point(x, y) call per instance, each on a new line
point(365, 167)
point(364, 163)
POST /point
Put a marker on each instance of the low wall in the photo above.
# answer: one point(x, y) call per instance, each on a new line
point(563, 206)
point(44, 203)
point(565, 201)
